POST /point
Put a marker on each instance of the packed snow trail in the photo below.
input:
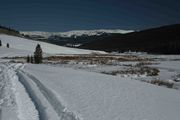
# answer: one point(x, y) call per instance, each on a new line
point(52, 98)
point(45, 98)
point(34, 101)
point(45, 110)
point(15, 97)
point(7, 99)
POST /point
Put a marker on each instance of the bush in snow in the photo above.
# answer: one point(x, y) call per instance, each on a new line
point(7, 45)
point(38, 54)
point(162, 83)
point(148, 71)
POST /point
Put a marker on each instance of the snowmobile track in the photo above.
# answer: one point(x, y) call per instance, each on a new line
point(50, 96)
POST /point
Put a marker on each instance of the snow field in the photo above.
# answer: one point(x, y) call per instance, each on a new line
point(48, 98)
point(22, 45)
point(103, 97)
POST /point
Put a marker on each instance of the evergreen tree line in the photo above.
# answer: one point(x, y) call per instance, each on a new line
point(9, 29)
point(30, 59)
point(37, 58)
point(7, 45)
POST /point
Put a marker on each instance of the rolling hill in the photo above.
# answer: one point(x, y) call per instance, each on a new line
point(71, 38)
point(9, 31)
point(22, 47)
point(161, 40)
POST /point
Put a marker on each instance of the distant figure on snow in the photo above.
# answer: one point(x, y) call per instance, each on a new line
point(0, 43)
point(7, 45)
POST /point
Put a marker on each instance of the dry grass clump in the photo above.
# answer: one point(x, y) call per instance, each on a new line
point(149, 71)
point(162, 83)
point(136, 71)
point(103, 59)
point(143, 63)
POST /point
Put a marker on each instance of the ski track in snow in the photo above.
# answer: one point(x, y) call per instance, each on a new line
point(33, 100)
point(16, 96)
point(7, 104)
point(51, 97)
point(41, 105)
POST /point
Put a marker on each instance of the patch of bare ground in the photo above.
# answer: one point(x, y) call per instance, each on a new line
point(94, 58)
point(148, 71)
point(162, 83)
point(145, 63)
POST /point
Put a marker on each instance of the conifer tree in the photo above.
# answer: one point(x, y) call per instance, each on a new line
point(7, 45)
point(28, 59)
point(32, 60)
point(38, 54)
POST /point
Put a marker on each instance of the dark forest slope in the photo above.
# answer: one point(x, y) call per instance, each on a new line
point(162, 40)
point(9, 31)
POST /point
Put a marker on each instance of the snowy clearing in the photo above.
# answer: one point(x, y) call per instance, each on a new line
point(53, 93)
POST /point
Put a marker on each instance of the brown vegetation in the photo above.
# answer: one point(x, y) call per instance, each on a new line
point(162, 83)
point(94, 58)
point(149, 71)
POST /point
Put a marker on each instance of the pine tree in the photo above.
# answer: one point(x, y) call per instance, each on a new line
point(32, 60)
point(7, 45)
point(28, 59)
point(0, 43)
point(38, 54)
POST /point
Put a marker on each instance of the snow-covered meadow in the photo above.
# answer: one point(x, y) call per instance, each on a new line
point(22, 47)
point(74, 84)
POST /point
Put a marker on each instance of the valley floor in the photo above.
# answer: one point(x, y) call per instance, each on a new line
point(75, 84)
point(44, 92)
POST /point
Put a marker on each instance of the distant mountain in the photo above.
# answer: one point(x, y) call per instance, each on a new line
point(161, 40)
point(72, 38)
point(75, 33)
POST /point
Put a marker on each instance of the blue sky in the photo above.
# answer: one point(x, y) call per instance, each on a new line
point(65, 15)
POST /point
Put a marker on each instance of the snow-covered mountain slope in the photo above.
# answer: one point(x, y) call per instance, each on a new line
point(21, 45)
point(75, 32)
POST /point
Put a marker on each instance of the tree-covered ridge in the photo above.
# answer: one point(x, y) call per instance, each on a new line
point(9, 31)
point(8, 28)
